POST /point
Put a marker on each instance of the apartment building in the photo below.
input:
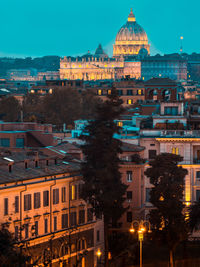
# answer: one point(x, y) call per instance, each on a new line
point(40, 200)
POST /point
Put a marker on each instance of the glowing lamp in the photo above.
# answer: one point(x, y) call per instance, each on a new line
point(99, 253)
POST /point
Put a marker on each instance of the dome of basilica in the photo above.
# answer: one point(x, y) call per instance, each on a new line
point(130, 39)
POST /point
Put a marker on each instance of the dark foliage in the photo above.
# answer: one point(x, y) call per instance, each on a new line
point(167, 218)
point(194, 216)
point(10, 254)
point(103, 188)
point(10, 109)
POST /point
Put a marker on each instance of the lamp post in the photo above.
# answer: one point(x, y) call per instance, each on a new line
point(99, 253)
point(141, 229)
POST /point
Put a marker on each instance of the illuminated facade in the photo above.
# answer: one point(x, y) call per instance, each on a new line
point(40, 199)
point(130, 46)
point(131, 40)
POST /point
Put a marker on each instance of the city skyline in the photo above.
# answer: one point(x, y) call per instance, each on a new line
point(61, 28)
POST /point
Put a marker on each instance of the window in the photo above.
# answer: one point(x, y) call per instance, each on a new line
point(55, 196)
point(5, 142)
point(27, 202)
point(46, 226)
point(73, 192)
point(16, 232)
point(36, 228)
point(46, 198)
point(20, 142)
point(5, 206)
point(152, 154)
point(99, 92)
point(65, 221)
point(89, 215)
point(129, 195)
point(80, 190)
point(55, 223)
point(81, 216)
point(129, 101)
point(98, 235)
point(129, 92)
point(129, 216)
point(120, 92)
point(37, 200)
point(73, 219)
point(175, 150)
point(198, 175)
point(109, 92)
point(63, 194)
point(16, 204)
point(120, 123)
point(26, 230)
point(171, 111)
point(129, 175)
point(139, 92)
point(148, 194)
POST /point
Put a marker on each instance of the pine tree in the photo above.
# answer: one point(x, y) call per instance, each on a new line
point(167, 217)
point(103, 187)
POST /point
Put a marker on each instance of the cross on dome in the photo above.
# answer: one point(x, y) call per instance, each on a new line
point(131, 16)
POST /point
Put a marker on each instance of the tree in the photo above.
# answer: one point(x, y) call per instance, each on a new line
point(194, 216)
point(10, 254)
point(62, 106)
point(167, 217)
point(103, 188)
point(10, 109)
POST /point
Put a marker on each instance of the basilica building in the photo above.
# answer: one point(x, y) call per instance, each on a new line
point(131, 45)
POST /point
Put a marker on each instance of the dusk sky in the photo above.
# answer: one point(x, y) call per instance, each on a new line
point(64, 27)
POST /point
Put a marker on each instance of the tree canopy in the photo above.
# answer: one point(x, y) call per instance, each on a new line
point(167, 217)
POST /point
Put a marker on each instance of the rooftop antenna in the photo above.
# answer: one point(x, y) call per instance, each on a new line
point(181, 48)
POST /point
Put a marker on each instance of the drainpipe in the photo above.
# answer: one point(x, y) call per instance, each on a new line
point(25, 189)
point(51, 203)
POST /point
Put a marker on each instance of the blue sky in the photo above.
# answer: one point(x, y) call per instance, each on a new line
point(72, 27)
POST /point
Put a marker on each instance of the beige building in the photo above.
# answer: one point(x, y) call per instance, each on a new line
point(130, 46)
point(131, 39)
point(40, 199)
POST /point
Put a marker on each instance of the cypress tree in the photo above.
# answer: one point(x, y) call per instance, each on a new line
point(103, 187)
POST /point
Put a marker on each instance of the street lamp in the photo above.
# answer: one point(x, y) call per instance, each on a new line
point(141, 230)
point(99, 253)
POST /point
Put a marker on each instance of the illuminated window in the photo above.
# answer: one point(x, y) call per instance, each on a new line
point(175, 150)
point(79, 66)
point(99, 92)
point(50, 91)
point(139, 92)
point(106, 66)
point(87, 66)
point(129, 101)
point(73, 192)
point(109, 92)
point(120, 123)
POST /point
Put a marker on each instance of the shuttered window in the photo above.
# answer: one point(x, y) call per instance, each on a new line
point(55, 196)
point(27, 202)
point(16, 204)
point(5, 206)
point(63, 194)
point(37, 203)
point(64, 221)
point(46, 198)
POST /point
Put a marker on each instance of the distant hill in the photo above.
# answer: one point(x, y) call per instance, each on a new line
point(46, 63)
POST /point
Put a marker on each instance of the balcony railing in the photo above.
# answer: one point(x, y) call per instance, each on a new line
point(170, 133)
